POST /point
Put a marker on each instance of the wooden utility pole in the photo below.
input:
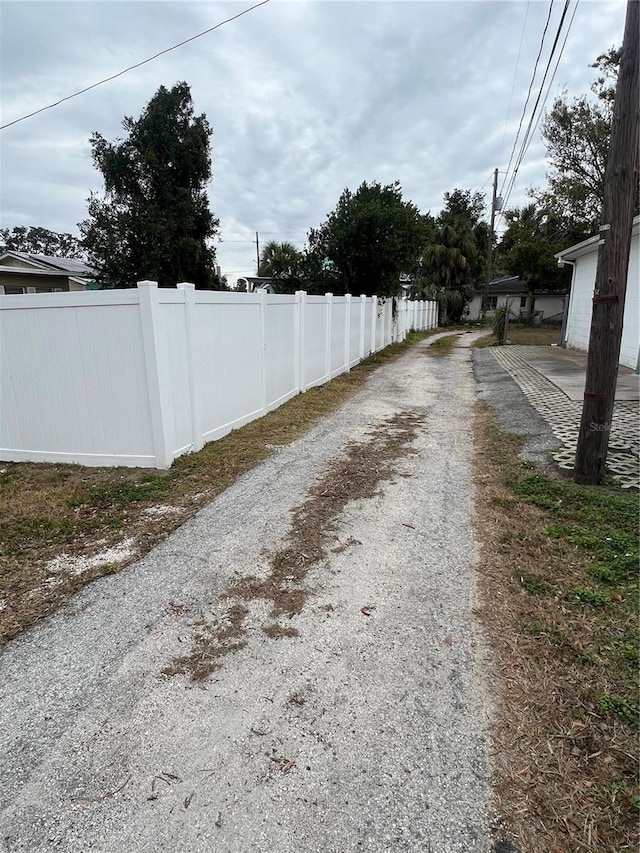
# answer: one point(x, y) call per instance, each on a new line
point(483, 310)
point(613, 262)
point(257, 254)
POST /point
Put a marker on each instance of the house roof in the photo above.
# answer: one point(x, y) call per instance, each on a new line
point(71, 266)
point(22, 271)
point(588, 246)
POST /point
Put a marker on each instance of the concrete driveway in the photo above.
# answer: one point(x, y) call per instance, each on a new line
point(553, 382)
point(362, 726)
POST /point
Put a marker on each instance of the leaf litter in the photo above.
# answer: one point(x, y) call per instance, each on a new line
point(355, 475)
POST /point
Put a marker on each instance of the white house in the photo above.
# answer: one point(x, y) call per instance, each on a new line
point(584, 258)
point(548, 305)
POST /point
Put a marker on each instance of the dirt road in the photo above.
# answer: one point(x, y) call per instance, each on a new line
point(325, 603)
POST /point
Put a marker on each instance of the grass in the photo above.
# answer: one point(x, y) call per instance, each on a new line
point(560, 603)
point(52, 511)
point(526, 335)
point(442, 346)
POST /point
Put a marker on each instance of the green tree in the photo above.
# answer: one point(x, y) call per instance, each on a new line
point(453, 259)
point(527, 249)
point(283, 262)
point(364, 245)
point(40, 241)
point(154, 221)
point(576, 133)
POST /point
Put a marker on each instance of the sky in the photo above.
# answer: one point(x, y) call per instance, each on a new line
point(305, 98)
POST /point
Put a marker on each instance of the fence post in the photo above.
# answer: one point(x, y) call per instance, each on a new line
point(298, 346)
point(363, 315)
point(263, 347)
point(189, 292)
point(327, 362)
point(158, 397)
point(347, 333)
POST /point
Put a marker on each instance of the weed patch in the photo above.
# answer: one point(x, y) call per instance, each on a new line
point(524, 335)
point(442, 346)
point(534, 584)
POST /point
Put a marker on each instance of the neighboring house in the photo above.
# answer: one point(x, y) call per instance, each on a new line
point(548, 305)
point(21, 272)
point(584, 258)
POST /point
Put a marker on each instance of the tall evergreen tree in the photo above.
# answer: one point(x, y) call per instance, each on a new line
point(364, 245)
point(154, 221)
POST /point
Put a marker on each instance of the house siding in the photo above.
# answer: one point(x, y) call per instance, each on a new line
point(551, 306)
point(579, 317)
point(39, 282)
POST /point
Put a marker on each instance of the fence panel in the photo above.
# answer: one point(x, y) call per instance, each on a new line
point(138, 377)
point(73, 381)
point(228, 349)
point(338, 335)
point(369, 341)
point(355, 324)
point(314, 356)
point(380, 324)
point(173, 365)
point(280, 349)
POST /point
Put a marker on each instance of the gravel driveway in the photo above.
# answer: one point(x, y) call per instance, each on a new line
point(363, 730)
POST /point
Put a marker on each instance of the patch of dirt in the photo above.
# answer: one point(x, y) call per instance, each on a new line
point(563, 773)
point(355, 475)
point(276, 631)
point(211, 643)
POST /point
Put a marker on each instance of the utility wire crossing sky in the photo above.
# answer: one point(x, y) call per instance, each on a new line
point(304, 98)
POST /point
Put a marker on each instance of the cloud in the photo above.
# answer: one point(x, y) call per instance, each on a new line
point(305, 98)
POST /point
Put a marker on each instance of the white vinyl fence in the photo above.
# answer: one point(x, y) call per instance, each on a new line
point(138, 377)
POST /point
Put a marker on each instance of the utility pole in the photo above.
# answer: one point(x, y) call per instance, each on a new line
point(613, 262)
point(257, 254)
point(490, 250)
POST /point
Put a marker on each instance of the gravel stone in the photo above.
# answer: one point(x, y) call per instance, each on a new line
point(385, 746)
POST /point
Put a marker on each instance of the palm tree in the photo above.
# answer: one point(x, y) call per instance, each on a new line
point(447, 264)
point(281, 261)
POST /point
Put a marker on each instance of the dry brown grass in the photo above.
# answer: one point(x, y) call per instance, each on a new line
point(356, 475)
point(47, 511)
point(566, 748)
point(534, 336)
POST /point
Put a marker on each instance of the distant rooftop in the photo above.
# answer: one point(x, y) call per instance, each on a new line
point(70, 265)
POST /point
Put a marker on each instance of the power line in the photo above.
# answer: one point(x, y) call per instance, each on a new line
point(515, 74)
point(524, 109)
point(555, 71)
point(528, 134)
point(137, 65)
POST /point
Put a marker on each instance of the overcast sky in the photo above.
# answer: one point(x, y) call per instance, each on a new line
point(305, 99)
